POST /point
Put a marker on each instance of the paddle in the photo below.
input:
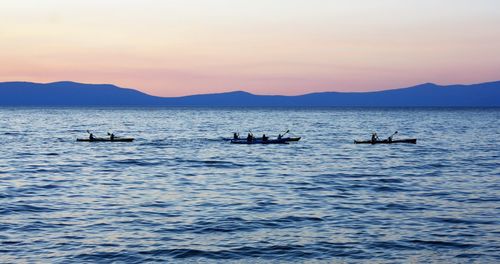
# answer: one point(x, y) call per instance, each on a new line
point(111, 136)
point(251, 134)
point(390, 138)
point(91, 136)
point(286, 132)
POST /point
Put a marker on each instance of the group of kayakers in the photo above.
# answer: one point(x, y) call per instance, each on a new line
point(92, 137)
point(250, 137)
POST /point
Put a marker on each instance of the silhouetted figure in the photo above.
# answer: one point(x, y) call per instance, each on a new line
point(390, 138)
point(374, 137)
point(280, 136)
point(264, 138)
point(236, 136)
point(112, 136)
point(249, 137)
point(91, 136)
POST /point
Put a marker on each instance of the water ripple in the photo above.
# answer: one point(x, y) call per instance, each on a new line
point(182, 193)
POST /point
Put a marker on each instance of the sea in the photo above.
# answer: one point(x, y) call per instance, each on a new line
point(183, 193)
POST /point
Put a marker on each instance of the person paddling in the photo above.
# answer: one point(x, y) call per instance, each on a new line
point(236, 135)
point(111, 136)
point(390, 138)
point(91, 136)
point(264, 137)
point(374, 138)
point(249, 137)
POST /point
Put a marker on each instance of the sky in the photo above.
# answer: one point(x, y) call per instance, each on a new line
point(181, 47)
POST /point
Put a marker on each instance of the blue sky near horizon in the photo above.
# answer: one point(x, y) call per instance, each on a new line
point(175, 47)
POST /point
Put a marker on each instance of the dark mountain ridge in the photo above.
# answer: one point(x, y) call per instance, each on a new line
point(79, 94)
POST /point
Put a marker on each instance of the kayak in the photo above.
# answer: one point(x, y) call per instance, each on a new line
point(260, 138)
point(116, 139)
point(259, 141)
point(386, 141)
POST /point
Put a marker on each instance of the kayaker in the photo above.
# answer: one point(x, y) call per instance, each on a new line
point(264, 138)
point(91, 136)
point(390, 138)
point(249, 137)
point(236, 136)
point(374, 137)
point(280, 136)
point(112, 136)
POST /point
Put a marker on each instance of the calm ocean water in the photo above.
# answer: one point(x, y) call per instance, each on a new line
point(180, 193)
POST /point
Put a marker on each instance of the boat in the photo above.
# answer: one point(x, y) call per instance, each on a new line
point(387, 141)
point(116, 139)
point(288, 139)
point(258, 141)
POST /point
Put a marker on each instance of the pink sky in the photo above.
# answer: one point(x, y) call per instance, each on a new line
point(175, 47)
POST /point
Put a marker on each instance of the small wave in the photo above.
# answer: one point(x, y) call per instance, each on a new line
point(237, 224)
point(136, 162)
point(469, 256)
point(395, 245)
point(389, 189)
point(156, 204)
point(390, 180)
point(219, 139)
point(26, 208)
point(47, 186)
point(463, 221)
point(437, 193)
point(447, 244)
point(485, 199)
point(25, 154)
point(3, 195)
point(14, 133)
point(10, 242)
point(155, 143)
point(400, 207)
point(30, 189)
point(41, 225)
point(162, 214)
point(98, 257)
point(291, 252)
point(211, 163)
point(312, 188)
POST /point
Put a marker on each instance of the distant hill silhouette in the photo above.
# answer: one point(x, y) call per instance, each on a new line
point(78, 94)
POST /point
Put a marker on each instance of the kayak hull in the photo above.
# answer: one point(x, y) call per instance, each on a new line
point(409, 140)
point(288, 139)
point(257, 141)
point(105, 140)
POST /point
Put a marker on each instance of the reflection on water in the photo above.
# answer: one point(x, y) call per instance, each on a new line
point(181, 192)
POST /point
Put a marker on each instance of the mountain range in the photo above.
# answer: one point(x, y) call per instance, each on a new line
point(79, 94)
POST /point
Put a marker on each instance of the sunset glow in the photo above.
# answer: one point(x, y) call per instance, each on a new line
point(180, 47)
